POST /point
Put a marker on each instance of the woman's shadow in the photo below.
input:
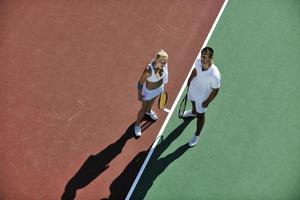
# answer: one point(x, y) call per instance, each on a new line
point(97, 164)
point(121, 185)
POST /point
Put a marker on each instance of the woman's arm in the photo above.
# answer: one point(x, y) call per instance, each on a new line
point(144, 76)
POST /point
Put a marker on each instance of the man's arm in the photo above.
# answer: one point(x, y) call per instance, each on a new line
point(212, 95)
point(193, 75)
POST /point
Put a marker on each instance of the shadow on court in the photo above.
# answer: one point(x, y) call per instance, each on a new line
point(121, 185)
point(97, 164)
point(147, 122)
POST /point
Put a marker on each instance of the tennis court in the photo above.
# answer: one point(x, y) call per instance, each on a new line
point(250, 145)
point(68, 92)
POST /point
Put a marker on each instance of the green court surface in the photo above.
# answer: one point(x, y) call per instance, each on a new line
point(250, 145)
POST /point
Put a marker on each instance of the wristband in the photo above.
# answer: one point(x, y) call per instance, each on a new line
point(139, 86)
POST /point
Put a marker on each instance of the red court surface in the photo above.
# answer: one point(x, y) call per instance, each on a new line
point(68, 89)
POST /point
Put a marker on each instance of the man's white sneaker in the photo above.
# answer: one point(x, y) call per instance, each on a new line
point(152, 115)
point(137, 131)
point(194, 141)
point(188, 113)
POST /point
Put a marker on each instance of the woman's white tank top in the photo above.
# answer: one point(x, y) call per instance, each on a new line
point(155, 78)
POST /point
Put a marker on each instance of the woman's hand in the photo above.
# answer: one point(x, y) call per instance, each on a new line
point(145, 75)
point(140, 96)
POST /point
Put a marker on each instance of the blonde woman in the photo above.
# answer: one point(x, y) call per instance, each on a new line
point(151, 85)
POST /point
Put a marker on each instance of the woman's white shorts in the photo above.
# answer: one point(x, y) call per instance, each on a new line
point(151, 94)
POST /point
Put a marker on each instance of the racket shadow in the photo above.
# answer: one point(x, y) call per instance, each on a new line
point(121, 185)
point(95, 165)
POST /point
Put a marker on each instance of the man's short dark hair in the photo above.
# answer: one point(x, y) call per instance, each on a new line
point(208, 51)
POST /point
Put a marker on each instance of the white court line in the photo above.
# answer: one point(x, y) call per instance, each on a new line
point(174, 105)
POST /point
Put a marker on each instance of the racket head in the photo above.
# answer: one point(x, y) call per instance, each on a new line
point(163, 99)
point(182, 107)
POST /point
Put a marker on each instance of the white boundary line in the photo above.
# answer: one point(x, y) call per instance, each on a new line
point(174, 105)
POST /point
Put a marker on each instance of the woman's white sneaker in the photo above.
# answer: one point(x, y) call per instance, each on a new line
point(152, 115)
point(137, 130)
point(194, 141)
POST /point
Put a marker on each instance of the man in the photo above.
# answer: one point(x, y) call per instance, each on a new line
point(203, 87)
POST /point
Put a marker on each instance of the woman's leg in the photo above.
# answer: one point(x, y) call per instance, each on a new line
point(151, 113)
point(150, 104)
point(142, 112)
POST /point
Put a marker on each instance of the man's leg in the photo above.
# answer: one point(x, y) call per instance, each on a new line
point(193, 107)
point(200, 123)
point(190, 113)
point(200, 112)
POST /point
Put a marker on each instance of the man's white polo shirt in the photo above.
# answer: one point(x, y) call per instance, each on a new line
point(201, 86)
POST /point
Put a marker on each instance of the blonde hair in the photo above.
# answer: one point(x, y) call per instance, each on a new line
point(161, 54)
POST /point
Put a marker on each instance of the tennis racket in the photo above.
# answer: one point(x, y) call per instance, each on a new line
point(182, 107)
point(163, 99)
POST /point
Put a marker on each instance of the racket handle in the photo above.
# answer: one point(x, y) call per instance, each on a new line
point(166, 110)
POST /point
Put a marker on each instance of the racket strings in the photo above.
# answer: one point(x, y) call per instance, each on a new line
point(163, 98)
point(182, 106)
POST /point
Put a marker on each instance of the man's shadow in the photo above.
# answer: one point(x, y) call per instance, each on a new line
point(122, 184)
point(97, 164)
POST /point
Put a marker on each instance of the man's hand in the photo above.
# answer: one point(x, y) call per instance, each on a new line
point(212, 95)
point(205, 104)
